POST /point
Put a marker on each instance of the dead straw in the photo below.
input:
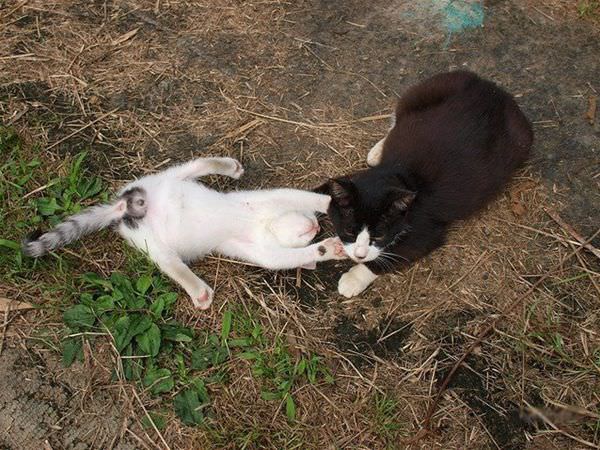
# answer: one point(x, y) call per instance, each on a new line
point(79, 130)
point(484, 333)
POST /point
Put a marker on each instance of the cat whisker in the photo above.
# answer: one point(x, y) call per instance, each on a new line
point(388, 260)
point(393, 256)
point(385, 262)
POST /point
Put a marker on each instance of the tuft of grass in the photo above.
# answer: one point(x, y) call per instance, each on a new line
point(589, 8)
point(273, 364)
point(65, 196)
point(16, 174)
point(31, 197)
point(386, 419)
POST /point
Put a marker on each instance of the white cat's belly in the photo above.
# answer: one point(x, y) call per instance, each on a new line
point(293, 229)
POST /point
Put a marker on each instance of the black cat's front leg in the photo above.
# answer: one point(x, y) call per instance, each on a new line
point(422, 241)
point(356, 280)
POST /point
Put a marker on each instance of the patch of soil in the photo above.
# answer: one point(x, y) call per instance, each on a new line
point(57, 116)
point(447, 327)
point(504, 424)
point(384, 341)
point(38, 405)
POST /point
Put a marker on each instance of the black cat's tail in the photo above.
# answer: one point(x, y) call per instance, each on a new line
point(73, 228)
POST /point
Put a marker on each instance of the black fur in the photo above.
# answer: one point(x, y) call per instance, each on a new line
point(456, 142)
point(135, 211)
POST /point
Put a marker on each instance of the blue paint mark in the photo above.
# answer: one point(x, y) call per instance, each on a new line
point(460, 15)
point(451, 16)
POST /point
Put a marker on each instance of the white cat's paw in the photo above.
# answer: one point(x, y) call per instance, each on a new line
point(228, 167)
point(237, 170)
point(355, 281)
point(331, 248)
point(203, 297)
point(374, 155)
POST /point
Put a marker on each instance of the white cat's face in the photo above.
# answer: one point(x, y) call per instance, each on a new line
point(294, 229)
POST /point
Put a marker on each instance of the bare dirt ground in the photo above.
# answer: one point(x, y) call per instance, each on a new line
point(297, 91)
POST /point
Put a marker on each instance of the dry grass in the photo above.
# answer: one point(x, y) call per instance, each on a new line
point(144, 84)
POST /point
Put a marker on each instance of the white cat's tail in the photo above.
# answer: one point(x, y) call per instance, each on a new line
point(73, 228)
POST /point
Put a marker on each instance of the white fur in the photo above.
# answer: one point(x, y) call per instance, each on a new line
point(186, 220)
point(374, 155)
point(361, 250)
point(356, 280)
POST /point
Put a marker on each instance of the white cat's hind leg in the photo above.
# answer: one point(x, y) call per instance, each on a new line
point(374, 155)
point(355, 281)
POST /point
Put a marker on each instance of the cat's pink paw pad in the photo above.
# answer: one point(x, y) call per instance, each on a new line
point(332, 248)
point(339, 250)
point(203, 299)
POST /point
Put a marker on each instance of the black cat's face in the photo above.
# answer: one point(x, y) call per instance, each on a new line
point(369, 215)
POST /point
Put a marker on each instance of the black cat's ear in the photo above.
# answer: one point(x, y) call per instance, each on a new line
point(403, 198)
point(323, 189)
point(341, 191)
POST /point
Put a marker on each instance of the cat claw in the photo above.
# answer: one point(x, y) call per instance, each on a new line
point(350, 286)
point(374, 155)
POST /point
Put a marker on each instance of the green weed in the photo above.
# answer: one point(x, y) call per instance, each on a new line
point(137, 317)
point(386, 418)
point(22, 208)
point(165, 357)
point(65, 195)
point(588, 8)
point(278, 369)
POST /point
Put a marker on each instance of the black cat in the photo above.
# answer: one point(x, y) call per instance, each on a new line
point(454, 144)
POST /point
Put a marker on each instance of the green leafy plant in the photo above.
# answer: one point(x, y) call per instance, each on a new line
point(64, 195)
point(28, 196)
point(165, 357)
point(136, 316)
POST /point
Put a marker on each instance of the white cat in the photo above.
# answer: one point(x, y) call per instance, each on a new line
point(175, 219)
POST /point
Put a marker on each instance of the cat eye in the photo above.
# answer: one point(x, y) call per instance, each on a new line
point(140, 202)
